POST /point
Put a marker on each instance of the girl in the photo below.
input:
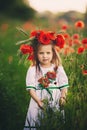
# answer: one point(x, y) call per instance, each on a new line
point(46, 78)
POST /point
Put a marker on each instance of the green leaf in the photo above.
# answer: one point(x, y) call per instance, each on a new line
point(23, 41)
point(21, 30)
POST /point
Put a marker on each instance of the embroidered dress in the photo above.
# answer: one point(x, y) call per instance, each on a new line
point(55, 87)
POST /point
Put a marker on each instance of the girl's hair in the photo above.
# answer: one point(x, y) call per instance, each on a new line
point(56, 60)
point(37, 38)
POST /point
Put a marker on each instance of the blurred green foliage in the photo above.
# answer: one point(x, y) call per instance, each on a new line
point(16, 9)
point(13, 97)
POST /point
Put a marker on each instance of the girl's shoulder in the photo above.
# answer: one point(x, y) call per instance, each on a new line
point(32, 69)
point(60, 68)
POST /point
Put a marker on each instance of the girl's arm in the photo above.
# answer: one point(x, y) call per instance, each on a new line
point(63, 93)
point(63, 96)
point(35, 97)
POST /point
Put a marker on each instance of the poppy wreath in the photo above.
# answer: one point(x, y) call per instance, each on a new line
point(42, 37)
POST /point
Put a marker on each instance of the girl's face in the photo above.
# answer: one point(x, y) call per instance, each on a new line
point(45, 55)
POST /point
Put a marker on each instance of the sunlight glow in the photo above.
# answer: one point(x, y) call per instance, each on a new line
point(58, 5)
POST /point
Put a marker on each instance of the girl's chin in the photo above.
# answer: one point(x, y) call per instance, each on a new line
point(45, 65)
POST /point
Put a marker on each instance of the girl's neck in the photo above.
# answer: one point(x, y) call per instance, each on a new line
point(46, 66)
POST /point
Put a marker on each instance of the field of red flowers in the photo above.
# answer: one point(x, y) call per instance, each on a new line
point(14, 99)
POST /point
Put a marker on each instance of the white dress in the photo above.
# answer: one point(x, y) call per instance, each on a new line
point(32, 83)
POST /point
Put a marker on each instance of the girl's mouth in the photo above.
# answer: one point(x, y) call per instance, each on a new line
point(45, 59)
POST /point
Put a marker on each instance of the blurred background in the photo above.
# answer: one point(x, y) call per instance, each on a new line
point(54, 15)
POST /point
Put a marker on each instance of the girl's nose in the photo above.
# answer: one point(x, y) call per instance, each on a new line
point(44, 55)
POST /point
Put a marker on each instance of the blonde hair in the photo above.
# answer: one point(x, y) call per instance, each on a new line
point(56, 57)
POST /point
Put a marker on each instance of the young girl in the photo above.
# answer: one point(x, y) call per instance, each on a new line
point(46, 78)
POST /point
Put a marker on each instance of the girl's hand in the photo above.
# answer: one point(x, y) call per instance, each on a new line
point(62, 101)
point(40, 104)
point(35, 97)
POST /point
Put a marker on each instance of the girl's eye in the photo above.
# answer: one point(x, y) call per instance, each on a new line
point(40, 52)
point(48, 52)
point(43, 52)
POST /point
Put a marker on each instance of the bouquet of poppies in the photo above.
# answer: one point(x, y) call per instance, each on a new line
point(48, 78)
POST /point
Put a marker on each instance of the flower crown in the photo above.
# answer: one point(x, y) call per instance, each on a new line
point(42, 37)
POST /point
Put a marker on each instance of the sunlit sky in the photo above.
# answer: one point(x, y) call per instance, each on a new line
point(58, 5)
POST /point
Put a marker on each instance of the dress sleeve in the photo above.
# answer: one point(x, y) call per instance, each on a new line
point(62, 78)
point(30, 78)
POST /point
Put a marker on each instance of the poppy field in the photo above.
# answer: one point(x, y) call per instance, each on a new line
point(14, 99)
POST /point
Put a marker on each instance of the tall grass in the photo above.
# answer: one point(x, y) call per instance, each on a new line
point(13, 97)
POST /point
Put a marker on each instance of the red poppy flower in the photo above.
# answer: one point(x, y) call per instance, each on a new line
point(60, 40)
point(33, 33)
point(76, 36)
point(44, 38)
point(84, 72)
point(84, 41)
point(36, 33)
point(4, 27)
point(68, 50)
point(80, 50)
point(79, 24)
point(64, 27)
point(31, 57)
point(44, 81)
point(66, 35)
point(51, 75)
point(70, 42)
point(76, 41)
point(85, 46)
point(51, 35)
point(25, 49)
